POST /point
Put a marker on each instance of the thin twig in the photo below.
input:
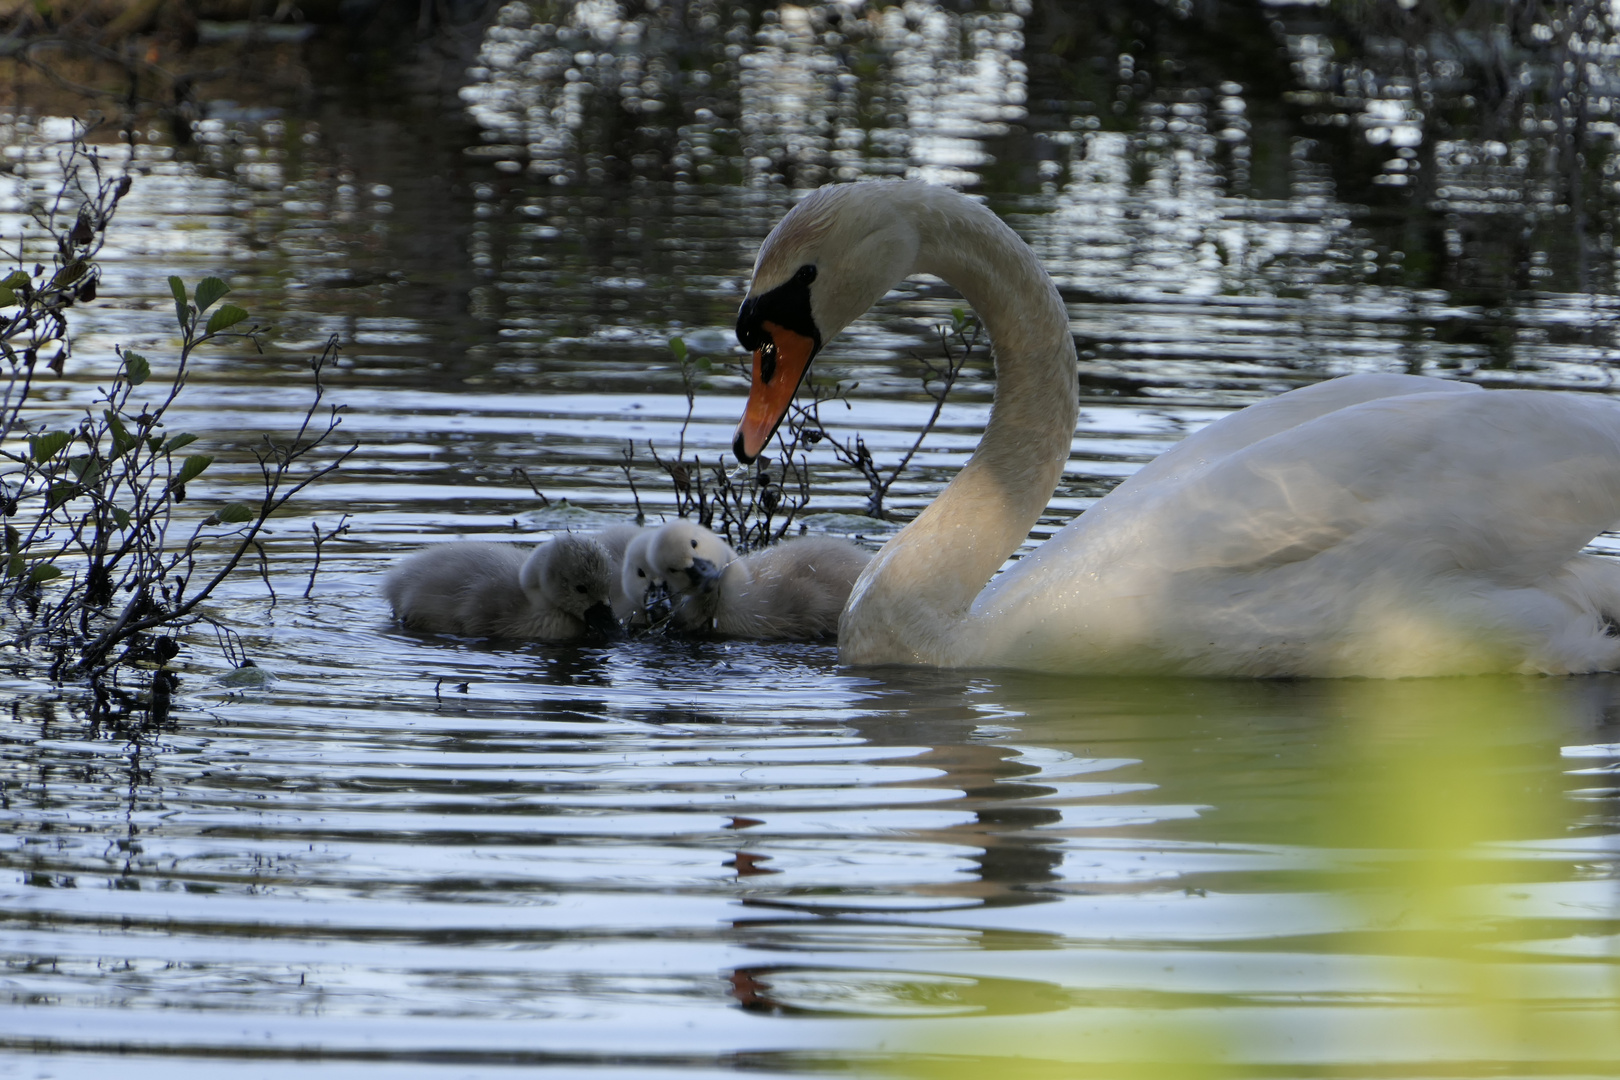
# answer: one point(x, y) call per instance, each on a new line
point(630, 479)
point(320, 541)
point(523, 474)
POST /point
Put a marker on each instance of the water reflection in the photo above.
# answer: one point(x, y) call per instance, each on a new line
point(798, 102)
point(343, 864)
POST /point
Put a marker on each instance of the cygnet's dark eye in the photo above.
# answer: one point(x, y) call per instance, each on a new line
point(579, 588)
point(694, 545)
point(641, 573)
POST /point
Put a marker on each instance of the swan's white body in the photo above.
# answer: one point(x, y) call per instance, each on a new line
point(555, 592)
point(1376, 525)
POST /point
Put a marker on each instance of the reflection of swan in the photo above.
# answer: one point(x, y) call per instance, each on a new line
point(555, 592)
point(1372, 525)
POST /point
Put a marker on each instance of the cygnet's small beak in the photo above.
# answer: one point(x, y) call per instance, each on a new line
point(658, 603)
point(703, 575)
point(599, 620)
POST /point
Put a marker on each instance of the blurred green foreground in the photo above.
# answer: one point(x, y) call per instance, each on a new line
point(1433, 812)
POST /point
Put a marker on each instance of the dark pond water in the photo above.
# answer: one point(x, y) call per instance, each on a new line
point(411, 855)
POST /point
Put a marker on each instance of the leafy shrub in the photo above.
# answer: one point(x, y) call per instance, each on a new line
point(93, 576)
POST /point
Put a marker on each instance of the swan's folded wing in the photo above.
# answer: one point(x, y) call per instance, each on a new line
point(1260, 421)
point(1509, 484)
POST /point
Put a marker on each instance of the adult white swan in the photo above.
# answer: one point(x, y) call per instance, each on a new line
point(1377, 525)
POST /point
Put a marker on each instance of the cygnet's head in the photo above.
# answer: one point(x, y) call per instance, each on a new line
point(641, 582)
point(687, 558)
point(572, 574)
point(638, 575)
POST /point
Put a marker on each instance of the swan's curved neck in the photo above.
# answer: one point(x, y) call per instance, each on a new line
point(912, 602)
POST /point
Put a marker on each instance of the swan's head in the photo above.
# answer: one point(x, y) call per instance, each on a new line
point(687, 558)
point(832, 257)
point(572, 574)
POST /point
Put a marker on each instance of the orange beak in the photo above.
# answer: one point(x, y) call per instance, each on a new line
point(778, 368)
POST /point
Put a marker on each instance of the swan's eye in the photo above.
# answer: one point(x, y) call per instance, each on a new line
point(767, 362)
point(694, 545)
point(641, 573)
point(579, 589)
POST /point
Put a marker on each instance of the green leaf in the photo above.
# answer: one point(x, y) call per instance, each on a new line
point(705, 364)
point(185, 439)
point(191, 468)
point(155, 443)
point(7, 297)
point(16, 279)
point(86, 468)
point(61, 492)
point(678, 347)
point(121, 516)
point(228, 315)
point(136, 368)
point(123, 442)
point(182, 311)
point(44, 447)
point(210, 289)
point(43, 572)
point(234, 514)
point(15, 566)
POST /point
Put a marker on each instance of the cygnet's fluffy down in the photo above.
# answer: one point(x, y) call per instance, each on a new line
point(617, 540)
point(796, 589)
point(637, 578)
point(679, 557)
point(555, 592)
